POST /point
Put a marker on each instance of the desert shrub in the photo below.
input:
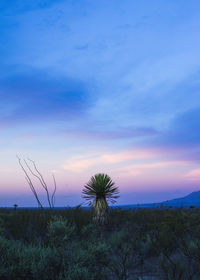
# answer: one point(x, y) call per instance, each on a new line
point(96, 258)
point(184, 263)
point(89, 232)
point(76, 272)
point(59, 232)
point(26, 262)
point(190, 249)
point(173, 268)
point(26, 225)
point(2, 229)
point(125, 253)
point(64, 244)
point(81, 217)
point(87, 257)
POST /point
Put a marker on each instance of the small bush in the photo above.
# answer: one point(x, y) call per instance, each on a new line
point(59, 232)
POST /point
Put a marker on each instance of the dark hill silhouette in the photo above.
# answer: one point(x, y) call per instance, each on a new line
point(188, 200)
point(192, 199)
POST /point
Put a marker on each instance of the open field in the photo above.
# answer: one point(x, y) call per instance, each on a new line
point(65, 244)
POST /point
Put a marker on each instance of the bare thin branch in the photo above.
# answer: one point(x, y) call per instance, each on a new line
point(34, 192)
point(40, 178)
point(53, 194)
point(36, 173)
point(29, 182)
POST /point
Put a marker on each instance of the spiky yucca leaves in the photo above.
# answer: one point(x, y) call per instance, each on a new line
point(98, 191)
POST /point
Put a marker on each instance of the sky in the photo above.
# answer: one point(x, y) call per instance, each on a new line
point(89, 86)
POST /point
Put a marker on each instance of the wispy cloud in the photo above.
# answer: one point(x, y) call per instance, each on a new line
point(194, 174)
point(139, 169)
point(81, 163)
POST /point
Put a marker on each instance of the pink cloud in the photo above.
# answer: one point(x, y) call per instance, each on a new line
point(128, 155)
point(85, 161)
point(80, 163)
point(136, 169)
point(194, 174)
point(158, 164)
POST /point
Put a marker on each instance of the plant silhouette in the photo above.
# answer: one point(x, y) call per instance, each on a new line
point(99, 191)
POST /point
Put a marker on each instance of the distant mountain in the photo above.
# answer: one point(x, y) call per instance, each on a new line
point(192, 199)
point(186, 201)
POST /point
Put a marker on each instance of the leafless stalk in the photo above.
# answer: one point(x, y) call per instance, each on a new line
point(36, 173)
point(27, 177)
point(39, 176)
point(53, 194)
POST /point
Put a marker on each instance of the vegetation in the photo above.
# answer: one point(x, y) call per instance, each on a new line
point(33, 171)
point(98, 191)
point(65, 245)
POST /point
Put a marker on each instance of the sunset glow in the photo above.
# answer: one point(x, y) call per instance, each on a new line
point(100, 86)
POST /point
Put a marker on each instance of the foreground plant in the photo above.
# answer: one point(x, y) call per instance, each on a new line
point(99, 191)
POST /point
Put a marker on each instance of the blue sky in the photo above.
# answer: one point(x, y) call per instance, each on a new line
point(101, 86)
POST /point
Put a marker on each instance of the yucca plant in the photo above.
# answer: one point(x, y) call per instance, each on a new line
point(98, 192)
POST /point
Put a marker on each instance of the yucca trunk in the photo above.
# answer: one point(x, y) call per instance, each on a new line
point(100, 211)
